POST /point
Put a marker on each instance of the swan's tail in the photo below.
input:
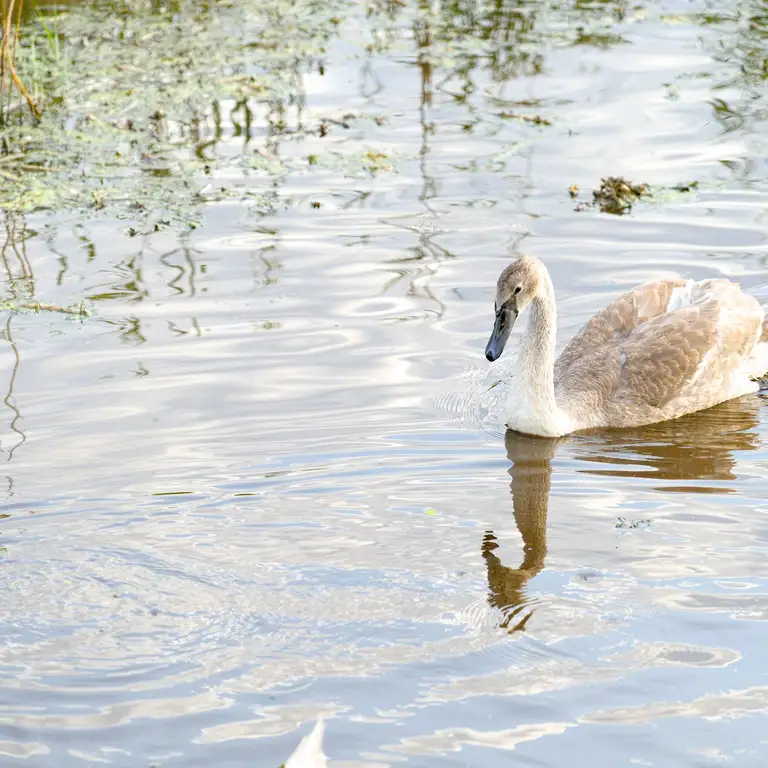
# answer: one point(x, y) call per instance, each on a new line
point(757, 364)
point(758, 360)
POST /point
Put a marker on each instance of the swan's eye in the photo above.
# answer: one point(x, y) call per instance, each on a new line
point(517, 290)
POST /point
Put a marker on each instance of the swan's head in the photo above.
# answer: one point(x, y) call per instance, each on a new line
point(518, 285)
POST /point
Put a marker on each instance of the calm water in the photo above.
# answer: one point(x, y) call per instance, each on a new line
point(268, 482)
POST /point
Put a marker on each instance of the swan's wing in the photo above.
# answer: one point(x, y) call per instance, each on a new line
point(659, 361)
point(656, 361)
point(620, 318)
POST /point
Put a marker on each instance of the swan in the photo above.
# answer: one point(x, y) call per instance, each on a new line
point(663, 349)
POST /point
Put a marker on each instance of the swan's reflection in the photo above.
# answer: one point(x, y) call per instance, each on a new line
point(531, 473)
point(700, 446)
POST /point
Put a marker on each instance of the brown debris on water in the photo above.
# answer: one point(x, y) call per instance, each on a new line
point(617, 195)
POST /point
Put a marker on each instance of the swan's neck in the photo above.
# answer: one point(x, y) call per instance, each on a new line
point(536, 410)
point(537, 351)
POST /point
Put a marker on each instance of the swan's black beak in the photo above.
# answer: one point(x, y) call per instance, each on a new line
point(505, 319)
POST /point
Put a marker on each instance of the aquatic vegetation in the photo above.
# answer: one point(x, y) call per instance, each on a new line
point(686, 187)
point(136, 105)
point(626, 523)
point(133, 105)
point(134, 101)
point(533, 119)
point(617, 195)
point(10, 82)
point(9, 305)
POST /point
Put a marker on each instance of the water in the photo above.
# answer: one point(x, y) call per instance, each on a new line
point(267, 482)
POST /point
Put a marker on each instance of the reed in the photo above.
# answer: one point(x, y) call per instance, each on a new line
point(10, 82)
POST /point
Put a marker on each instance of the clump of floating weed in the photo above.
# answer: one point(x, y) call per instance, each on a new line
point(617, 195)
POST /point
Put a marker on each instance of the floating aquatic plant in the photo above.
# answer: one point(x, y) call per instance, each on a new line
point(11, 305)
point(618, 195)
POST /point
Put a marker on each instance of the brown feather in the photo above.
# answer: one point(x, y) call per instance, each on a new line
point(635, 362)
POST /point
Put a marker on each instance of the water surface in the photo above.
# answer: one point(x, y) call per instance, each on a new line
point(267, 481)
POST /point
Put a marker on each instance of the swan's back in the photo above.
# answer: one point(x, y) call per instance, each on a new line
point(663, 349)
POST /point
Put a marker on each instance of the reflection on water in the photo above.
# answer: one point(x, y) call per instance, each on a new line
point(9, 399)
point(19, 276)
point(531, 473)
point(700, 446)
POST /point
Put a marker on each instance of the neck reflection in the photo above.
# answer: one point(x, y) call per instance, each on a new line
point(531, 473)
